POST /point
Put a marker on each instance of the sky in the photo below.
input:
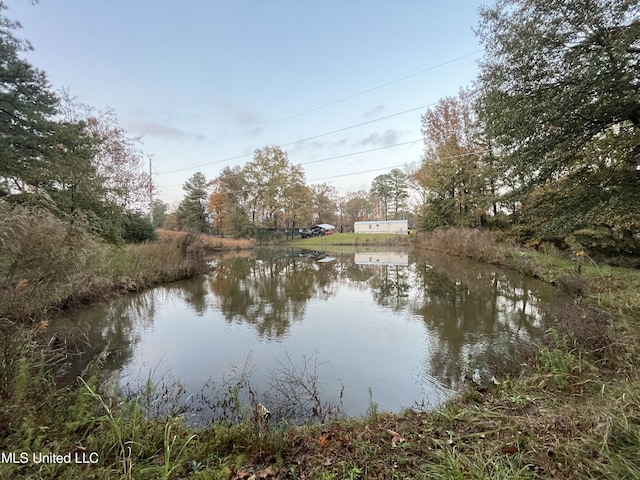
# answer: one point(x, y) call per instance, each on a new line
point(338, 85)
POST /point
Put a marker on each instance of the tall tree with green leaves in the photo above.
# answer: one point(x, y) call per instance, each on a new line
point(399, 193)
point(192, 210)
point(380, 193)
point(560, 97)
point(390, 193)
point(26, 107)
point(68, 174)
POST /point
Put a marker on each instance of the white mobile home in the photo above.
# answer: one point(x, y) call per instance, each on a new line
point(399, 227)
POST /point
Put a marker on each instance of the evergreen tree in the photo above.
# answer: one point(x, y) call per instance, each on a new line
point(26, 106)
point(192, 211)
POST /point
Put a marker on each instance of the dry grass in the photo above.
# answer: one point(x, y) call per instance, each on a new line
point(212, 243)
point(48, 263)
point(165, 260)
point(473, 243)
point(43, 260)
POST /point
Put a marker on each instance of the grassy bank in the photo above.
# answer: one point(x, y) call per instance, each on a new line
point(356, 239)
point(573, 411)
point(616, 290)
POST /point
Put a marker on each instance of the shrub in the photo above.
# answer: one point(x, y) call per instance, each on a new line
point(138, 228)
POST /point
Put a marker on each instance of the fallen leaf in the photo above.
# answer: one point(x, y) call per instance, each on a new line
point(267, 472)
point(324, 439)
point(397, 438)
point(509, 449)
point(241, 475)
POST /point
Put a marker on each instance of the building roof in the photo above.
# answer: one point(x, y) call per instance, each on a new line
point(383, 221)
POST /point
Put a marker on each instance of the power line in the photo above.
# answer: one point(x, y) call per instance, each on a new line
point(393, 166)
point(315, 109)
point(361, 124)
point(448, 157)
point(404, 112)
point(334, 157)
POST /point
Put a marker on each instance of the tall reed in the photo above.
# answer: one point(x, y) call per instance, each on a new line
point(46, 262)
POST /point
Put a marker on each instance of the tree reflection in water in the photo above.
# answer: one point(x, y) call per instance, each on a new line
point(270, 293)
point(429, 316)
point(477, 315)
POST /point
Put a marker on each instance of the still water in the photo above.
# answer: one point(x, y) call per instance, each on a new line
point(392, 328)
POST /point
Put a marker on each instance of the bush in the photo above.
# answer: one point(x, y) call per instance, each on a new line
point(464, 242)
point(137, 229)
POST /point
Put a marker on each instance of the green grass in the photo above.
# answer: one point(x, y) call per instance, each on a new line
point(357, 239)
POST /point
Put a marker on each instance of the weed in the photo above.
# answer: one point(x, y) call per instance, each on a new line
point(295, 392)
point(354, 473)
point(372, 411)
point(169, 444)
point(327, 476)
point(122, 445)
point(560, 364)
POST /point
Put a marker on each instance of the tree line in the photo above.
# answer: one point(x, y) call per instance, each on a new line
point(544, 145)
point(269, 194)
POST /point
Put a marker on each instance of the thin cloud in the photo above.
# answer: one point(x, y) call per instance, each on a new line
point(239, 115)
point(164, 131)
point(377, 110)
point(315, 145)
point(390, 137)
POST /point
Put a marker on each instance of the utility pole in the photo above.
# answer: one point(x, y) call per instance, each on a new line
point(150, 192)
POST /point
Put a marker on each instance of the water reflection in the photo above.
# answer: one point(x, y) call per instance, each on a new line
point(269, 293)
point(475, 314)
point(396, 323)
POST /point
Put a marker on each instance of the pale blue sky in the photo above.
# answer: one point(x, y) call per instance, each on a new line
point(207, 82)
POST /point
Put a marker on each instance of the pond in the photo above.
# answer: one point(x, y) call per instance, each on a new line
point(310, 333)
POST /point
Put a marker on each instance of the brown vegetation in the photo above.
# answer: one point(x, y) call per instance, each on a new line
point(212, 243)
point(463, 242)
point(49, 263)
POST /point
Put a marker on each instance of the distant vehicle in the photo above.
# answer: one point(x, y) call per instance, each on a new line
point(317, 230)
point(325, 228)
